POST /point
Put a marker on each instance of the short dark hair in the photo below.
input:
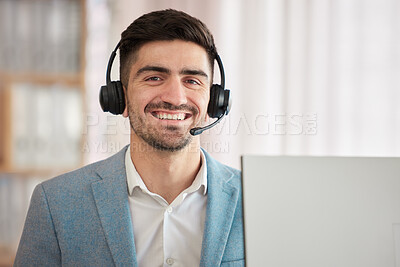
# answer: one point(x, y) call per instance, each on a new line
point(163, 25)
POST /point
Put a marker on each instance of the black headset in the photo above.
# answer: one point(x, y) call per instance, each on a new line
point(112, 98)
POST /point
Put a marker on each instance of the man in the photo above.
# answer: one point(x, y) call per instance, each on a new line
point(162, 201)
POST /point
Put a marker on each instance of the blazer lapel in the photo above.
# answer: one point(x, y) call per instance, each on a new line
point(111, 197)
point(222, 199)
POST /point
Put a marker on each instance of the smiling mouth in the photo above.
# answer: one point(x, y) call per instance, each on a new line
point(174, 116)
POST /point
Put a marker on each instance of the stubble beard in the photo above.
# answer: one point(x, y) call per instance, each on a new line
point(170, 139)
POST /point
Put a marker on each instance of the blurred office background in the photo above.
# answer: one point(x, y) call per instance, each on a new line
point(307, 77)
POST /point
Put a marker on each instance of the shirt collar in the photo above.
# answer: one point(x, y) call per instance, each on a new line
point(134, 180)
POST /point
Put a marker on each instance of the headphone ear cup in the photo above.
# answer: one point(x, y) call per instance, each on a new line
point(211, 103)
point(218, 104)
point(112, 98)
point(104, 98)
point(120, 98)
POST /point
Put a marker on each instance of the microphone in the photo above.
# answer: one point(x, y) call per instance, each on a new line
point(199, 130)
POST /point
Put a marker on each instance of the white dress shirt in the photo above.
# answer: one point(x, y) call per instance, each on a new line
point(167, 234)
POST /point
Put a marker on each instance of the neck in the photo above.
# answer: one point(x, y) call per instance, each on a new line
point(166, 173)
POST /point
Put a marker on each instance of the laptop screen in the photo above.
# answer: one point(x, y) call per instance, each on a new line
point(321, 211)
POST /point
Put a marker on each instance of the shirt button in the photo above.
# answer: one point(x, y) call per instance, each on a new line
point(169, 209)
point(170, 261)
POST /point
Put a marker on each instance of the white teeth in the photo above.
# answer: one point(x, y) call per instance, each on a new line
point(165, 116)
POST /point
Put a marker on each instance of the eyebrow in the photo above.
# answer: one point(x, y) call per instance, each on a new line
point(194, 72)
point(152, 68)
point(185, 71)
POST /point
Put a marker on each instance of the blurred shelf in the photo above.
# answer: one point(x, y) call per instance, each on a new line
point(40, 78)
point(42, 84)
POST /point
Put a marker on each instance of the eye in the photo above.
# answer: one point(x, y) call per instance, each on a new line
point(154, 78)
point(194, 82)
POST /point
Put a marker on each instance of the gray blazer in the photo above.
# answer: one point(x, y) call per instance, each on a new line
point(82, 218)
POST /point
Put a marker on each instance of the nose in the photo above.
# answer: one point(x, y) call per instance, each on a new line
point(174, 92)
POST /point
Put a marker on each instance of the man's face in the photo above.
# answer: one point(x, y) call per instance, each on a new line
point(168, 92)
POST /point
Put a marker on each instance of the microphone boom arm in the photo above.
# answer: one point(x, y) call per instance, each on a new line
point(199, 130)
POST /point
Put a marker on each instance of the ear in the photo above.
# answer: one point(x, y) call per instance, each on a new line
point(125, 113)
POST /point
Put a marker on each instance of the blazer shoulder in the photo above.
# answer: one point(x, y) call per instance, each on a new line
point(87, 174)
